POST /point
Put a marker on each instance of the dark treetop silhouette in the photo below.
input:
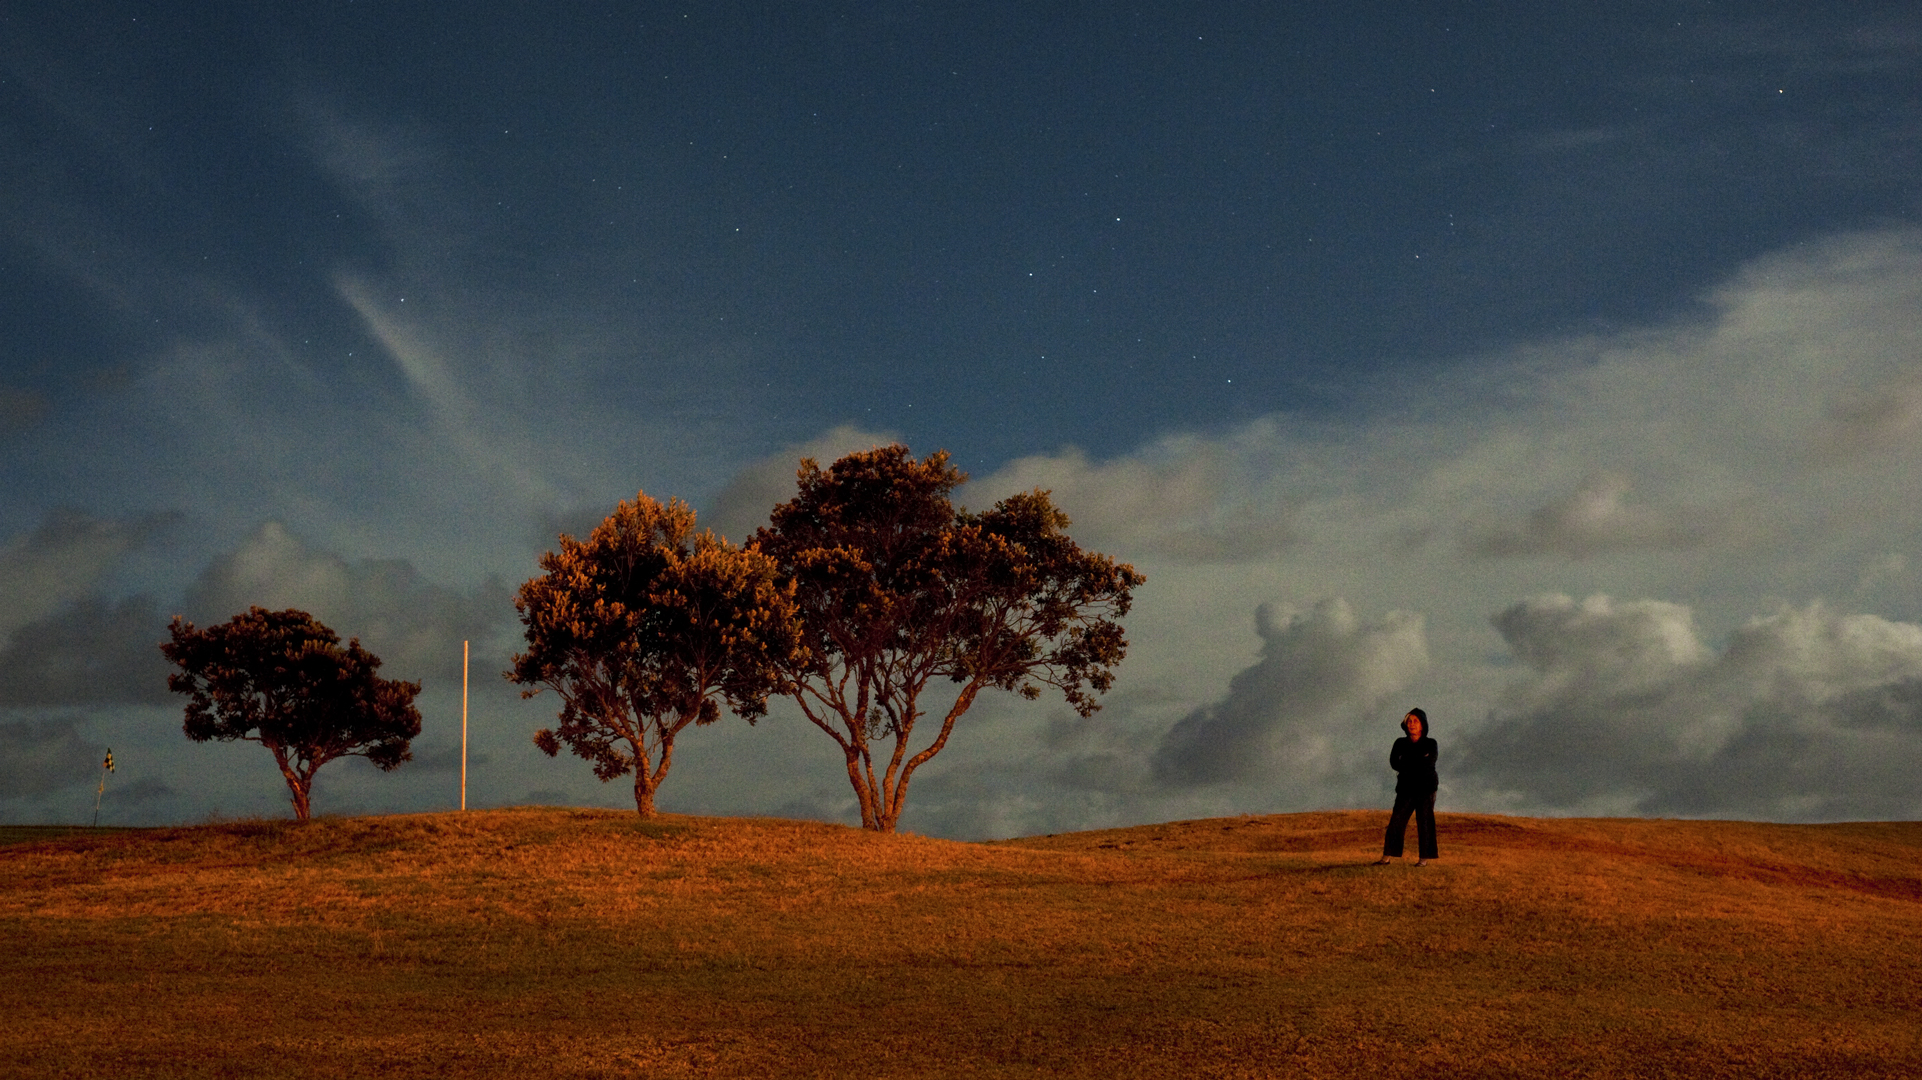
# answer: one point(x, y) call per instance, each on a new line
point(640, 629)
point(898, 587)
point(281, 679)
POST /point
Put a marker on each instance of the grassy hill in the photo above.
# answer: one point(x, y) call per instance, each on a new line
point(539, 942)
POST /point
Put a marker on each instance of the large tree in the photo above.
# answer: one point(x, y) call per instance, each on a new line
point(898, 588)
point(644, 629)
point(281, 679)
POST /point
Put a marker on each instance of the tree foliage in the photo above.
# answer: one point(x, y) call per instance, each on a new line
point(640, 629)
point(282, 679)
point(897, 587)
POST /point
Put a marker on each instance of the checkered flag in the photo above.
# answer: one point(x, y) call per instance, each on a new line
point(105, 768)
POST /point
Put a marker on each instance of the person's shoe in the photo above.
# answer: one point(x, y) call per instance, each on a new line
point(1421, 862)
point(1383, 861)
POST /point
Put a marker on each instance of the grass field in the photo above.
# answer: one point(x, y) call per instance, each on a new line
point(539, 942)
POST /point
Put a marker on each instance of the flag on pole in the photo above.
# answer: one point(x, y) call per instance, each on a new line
point(105, 768)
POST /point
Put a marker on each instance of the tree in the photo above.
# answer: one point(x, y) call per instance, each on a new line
point(641, 629)
point(897, 588)
point(281, 679)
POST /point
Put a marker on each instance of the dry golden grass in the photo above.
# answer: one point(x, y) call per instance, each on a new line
point(575, 944)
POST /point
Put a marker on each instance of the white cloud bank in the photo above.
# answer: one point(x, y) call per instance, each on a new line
point(413, 624)
point(1748, 472)
point(70, 556)
point(86, 673)
point(1758, 458)
point(76, 647)
point(1805, 713)
point(1303, 713)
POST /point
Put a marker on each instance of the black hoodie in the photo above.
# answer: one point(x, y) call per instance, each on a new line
point(1414, 764)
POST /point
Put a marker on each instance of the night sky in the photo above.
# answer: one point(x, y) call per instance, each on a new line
point(1555, 367)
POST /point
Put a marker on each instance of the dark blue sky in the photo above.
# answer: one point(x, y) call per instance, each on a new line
point(995, 228)
point(1423, 308)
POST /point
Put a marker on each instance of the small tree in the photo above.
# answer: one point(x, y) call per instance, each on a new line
point(640, 629)
point(281, 679)
point(897, 588)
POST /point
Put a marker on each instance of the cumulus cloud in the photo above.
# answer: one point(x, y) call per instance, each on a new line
point(1683, 461)
point(742, 506)
point(1594, 519)
point(1757, 448)
point(413, 625)
point(89, 653)
point(1298, 713)
point(1804, 713)
point(92, 651)
point(1747, 451)
point(1882, 418)
point(61, 641)
point(1173, 499)
point(67, 558)
point(40, 756)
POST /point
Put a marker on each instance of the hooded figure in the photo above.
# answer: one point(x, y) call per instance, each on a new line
point(1413, 759)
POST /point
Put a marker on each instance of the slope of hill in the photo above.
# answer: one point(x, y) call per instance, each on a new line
point(567, 943)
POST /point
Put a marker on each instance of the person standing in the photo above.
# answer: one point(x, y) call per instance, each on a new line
point(1413, 759)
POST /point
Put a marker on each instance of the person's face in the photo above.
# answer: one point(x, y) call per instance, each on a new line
point(1412, 725)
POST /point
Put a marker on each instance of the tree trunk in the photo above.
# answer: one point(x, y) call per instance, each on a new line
point(645, 779)
point(887, 811)
point(301, 786)
point(644, 784)
point(893, 798)
point(863, 790)
point(854, 746)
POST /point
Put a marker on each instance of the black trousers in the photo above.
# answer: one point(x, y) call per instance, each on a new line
point(1422, 805)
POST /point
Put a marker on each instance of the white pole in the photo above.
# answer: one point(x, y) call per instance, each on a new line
point(463, 725)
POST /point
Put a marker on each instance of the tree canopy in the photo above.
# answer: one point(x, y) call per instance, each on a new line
point(897, 588)
point(640, 629)
point(282, 679)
